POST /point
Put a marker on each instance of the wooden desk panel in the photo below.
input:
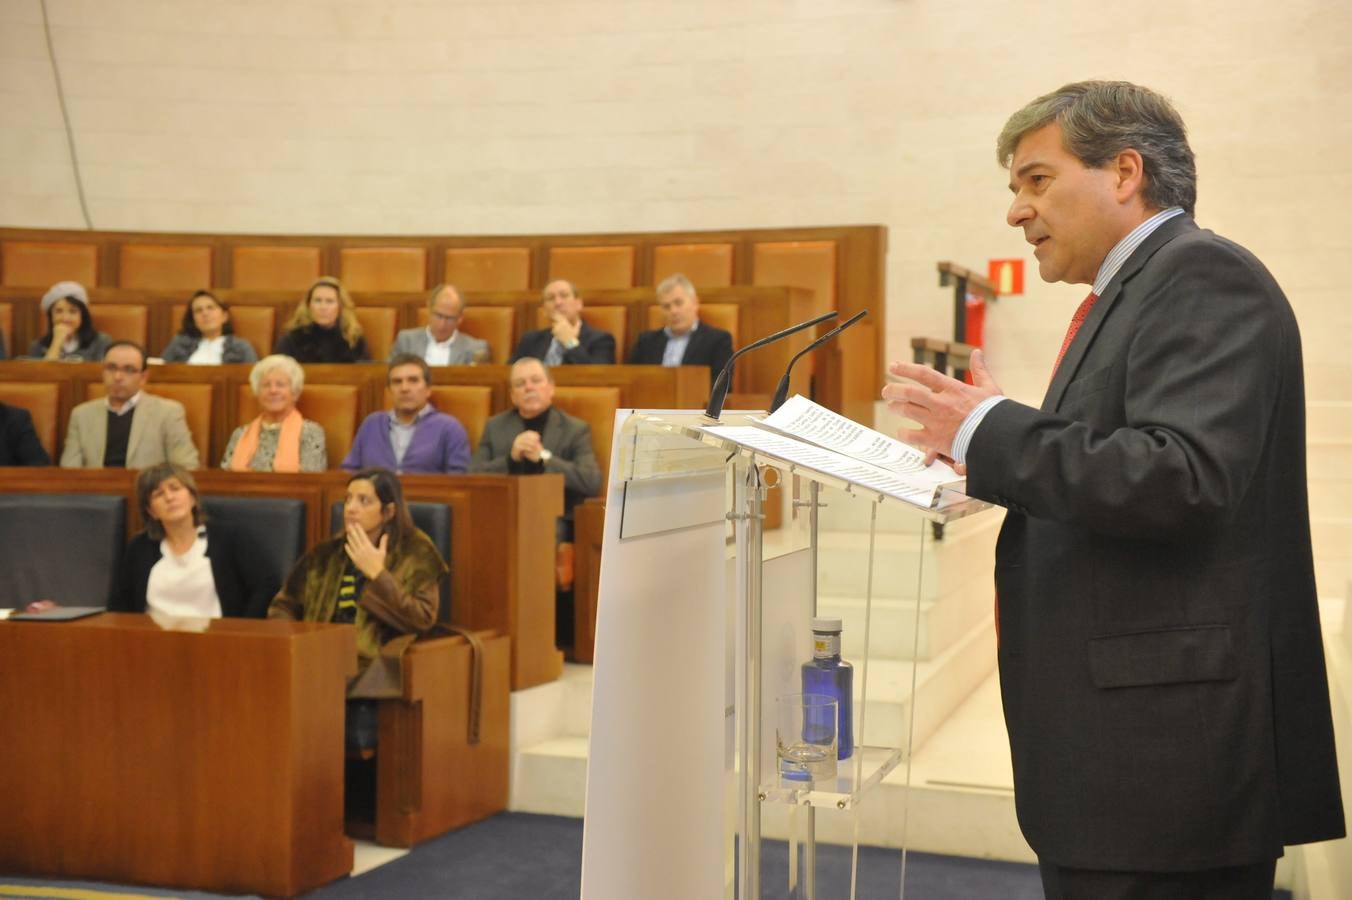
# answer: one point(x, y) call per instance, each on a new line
point(139, 755)
point(502, 539)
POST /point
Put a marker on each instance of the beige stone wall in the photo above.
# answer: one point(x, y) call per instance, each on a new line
point(486, 116)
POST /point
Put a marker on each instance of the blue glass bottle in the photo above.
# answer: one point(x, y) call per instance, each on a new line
point(827, 674)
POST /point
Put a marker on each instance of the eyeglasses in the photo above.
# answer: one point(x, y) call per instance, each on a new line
point(442, 317)
point(114, 368)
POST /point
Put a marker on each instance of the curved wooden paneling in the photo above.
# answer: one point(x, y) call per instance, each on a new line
point(164, 266)
point(487, 268)
point(706, 265)
point(274, 268)
point(592, 268)
point(383, 268)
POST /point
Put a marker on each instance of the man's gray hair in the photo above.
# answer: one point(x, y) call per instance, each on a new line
point(1100, 119)
point(675, 281)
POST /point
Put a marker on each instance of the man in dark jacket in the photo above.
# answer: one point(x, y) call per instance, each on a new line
point(1161, 663)
point(685, 340)
point(19, 444)
point(568, 340)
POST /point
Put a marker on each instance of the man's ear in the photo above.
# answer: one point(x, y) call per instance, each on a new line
point(1130, 170)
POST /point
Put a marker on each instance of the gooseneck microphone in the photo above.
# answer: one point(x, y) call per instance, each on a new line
point(782, 392)
point(720, 389)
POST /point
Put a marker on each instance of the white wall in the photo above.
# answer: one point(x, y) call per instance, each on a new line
point(320, 116)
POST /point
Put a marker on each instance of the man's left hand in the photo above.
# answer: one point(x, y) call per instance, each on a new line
point(938, 403)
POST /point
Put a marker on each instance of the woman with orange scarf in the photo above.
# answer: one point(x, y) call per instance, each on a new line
point(279, 439)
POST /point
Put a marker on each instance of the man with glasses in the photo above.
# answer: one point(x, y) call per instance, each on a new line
point(442, 343)
point(127, 428)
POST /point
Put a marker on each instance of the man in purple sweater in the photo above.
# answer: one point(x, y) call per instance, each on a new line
point(413, 437)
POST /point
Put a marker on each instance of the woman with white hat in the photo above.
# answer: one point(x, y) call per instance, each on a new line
point(70, 329)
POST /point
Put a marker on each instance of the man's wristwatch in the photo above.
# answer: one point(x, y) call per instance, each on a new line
point(545, 455)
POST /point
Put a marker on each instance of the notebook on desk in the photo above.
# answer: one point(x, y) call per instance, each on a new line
point(56, 614)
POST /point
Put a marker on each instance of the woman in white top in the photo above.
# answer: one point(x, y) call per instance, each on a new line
point(206, 336)
point(180, 566)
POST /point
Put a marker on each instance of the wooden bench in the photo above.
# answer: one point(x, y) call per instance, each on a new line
point(502, 553)
point(842, 267)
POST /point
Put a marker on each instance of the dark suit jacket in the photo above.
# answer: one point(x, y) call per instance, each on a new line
point(565, 436)
point(709, 346)
point(1160, 654)
point(244, 587)
point(19, 444)
point(593, 346)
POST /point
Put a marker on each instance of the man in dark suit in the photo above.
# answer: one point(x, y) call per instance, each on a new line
point(19, 444)
point(534, 436)
point(568, 340)
point(1160, 653)
point(685, 341)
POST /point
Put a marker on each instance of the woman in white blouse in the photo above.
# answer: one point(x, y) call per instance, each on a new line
point(179, 565)
point(279, 439)
point(206, 336)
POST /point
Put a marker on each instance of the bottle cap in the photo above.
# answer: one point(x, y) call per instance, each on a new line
point(826, 624)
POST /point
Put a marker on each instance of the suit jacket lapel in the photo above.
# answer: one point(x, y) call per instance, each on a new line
point(552, 439)
point(1084, 338)
point(692, 347)
point(138, 427)
point(97, 432)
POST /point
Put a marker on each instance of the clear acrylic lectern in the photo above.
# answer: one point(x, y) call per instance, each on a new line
point(703, 621)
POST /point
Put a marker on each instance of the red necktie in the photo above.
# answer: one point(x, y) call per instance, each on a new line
point(1081, 313)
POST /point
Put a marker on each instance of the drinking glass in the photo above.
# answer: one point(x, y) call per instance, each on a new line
point(805, 736)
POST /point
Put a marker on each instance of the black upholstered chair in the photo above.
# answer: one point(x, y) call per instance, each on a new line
point(434, 520)
point(63, 547)
point(276, 525)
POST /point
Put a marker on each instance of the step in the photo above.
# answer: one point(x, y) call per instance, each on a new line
point(1328, 420)
point(964, 554)
point(893, 622)
point(550, 777)
point(560, 708)
point(1331, 539)
point(1331, 497)
point(1327, 459)
point(549, 770)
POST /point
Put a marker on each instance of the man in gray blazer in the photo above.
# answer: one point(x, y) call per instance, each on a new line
point(1161, 663)
point(536, 437)
point(127, 428)
point(442, 343)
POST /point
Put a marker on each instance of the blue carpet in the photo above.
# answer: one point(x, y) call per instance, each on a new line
point(517, 856)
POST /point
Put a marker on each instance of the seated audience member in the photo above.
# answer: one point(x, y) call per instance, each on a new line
point(568, 339)
point(206, 336)
point(128, 428)
point(685, 341)
point(279, 439)
point(70, 327)
point(3, 354)
point(381, 574)
point(19, 444)
point(182, 566)
point(535, 437)
point(324, 328)
point(412, 437)
point(442, 343)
